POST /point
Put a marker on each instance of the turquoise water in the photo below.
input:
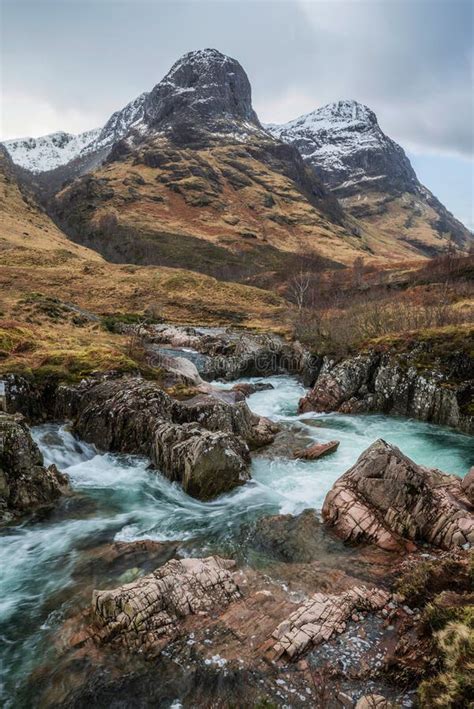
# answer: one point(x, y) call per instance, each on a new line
point(119, 498)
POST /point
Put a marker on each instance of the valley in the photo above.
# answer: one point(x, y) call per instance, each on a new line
point(236, 411)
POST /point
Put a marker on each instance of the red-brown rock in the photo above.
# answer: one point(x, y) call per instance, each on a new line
point(316, 451)
point(389, 500)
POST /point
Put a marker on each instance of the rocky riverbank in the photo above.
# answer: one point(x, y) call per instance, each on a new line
point(302, 632)
point(26, 485)
point(428, 380)
point(365, 605)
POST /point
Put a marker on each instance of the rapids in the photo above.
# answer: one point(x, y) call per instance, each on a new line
point(119, 498)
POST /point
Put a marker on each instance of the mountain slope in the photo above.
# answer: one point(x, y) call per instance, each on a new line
point(197, 182)
point(371, 175)
point(48, 279)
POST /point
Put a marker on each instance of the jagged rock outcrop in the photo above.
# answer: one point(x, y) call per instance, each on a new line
point(440, 391)
point(321, 617)
point(144, 615)
point(202, 87)
point(200, 443)
point(388, 500)
point(25, 484)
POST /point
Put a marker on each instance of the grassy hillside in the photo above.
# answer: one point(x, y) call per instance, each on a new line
point(230, 210)
point(55, 294)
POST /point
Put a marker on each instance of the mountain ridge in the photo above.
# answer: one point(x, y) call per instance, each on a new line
point(359, 187)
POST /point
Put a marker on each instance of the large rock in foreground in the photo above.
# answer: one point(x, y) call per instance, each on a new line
point(389, 500)
point(146, 614)
point(25, 484)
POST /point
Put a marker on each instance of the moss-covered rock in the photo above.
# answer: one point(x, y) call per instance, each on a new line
point(25, 484)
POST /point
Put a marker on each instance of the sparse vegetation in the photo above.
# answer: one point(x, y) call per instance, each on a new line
point(341, 311)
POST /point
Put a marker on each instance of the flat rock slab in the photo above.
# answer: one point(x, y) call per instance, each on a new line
point(318, 450)
point(321, 617)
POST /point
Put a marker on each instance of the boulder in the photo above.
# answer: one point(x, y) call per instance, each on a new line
point(205, 463)
point(247, 388)
point(180, 370)
point(216, 414)
point(374, 701)
point(317, 450)
point(201, 443)
point(389, 500)
point(25, 484)
point(289, 538)
point(468, 485)
point(146, 614)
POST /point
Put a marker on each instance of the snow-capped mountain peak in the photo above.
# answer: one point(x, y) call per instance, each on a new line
point(49, 151)
point(342, 114)
point(346, 146)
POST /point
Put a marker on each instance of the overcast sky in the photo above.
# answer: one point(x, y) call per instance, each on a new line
point(68, 64)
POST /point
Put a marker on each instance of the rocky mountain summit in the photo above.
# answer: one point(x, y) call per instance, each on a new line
point(204, 88)
point(346, 146)
point(367, 170)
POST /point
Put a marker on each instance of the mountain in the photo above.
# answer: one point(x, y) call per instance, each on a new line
point(54, 293)
point(371, 175)
point(49, 151)
point(187, 176)
point(197, 181)
point(38, 155)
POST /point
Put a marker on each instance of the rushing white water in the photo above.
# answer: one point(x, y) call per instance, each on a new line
point(119, 498)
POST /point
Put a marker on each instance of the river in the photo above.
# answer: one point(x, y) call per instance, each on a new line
point(119, 498)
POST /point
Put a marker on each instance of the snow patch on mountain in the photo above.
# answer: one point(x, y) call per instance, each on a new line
point(49, 151)
point(121, 122)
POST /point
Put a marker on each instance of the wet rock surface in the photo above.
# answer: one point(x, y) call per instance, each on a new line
point(299, 538)
point(217, 647)
point(25, 483)
point(389, 500)
point(233, 354)
point(200, 443)
point(395, 384)
point(317, 450)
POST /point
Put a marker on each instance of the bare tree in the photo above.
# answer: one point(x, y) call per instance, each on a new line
point(299, 289)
